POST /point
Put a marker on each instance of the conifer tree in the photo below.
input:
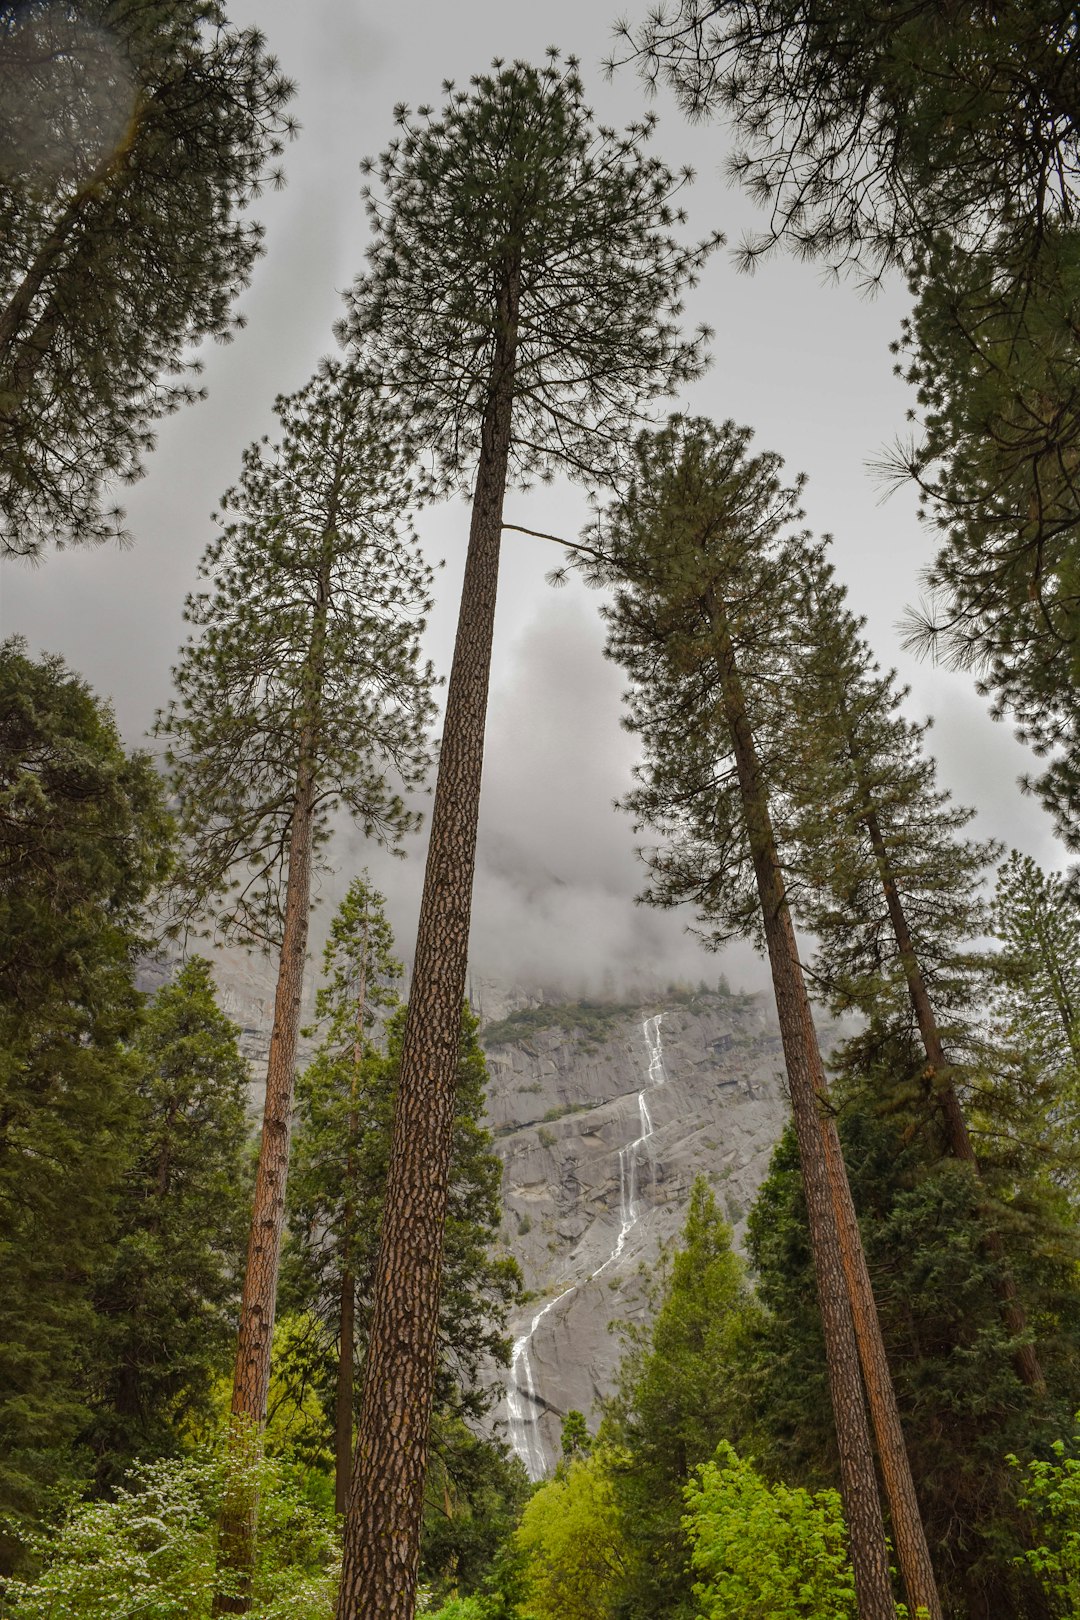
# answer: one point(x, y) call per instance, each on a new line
point(700, 546)
point(521, 300)
point(132, 137)
point(1037, 1008)
point(674, 1401)
point(944, 142)
point(84, 841)
point(337, 1190)
point(892, 890)
point(301, 692)
point(166, 1299)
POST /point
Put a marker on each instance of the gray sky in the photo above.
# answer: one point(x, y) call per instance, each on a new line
point(805, 362)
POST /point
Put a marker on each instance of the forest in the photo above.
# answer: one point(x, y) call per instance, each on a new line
point(251, 1364)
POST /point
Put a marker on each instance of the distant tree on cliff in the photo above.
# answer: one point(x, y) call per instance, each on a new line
point(84, 841)
point(131, 139)
point(521, 301)
point(302, 690)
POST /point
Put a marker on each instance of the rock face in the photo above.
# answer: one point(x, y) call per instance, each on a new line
point(603, 1117)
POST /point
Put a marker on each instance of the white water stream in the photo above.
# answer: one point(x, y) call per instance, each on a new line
point(524, 1407)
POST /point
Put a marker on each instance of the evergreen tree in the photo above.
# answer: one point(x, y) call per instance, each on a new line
point(336, 1201)
point(947, 143)
point(868, 131)
point(84, 840)
point(674, 1402)
point(131, 139)
point(925, 1227)
point(166, 1299)
point(344, 1116)
point(891, 889)
point(1037, 1017)
point(521, 300)
point(699, 544)
point(301, 692)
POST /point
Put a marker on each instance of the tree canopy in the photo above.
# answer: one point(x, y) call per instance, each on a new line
point(132, 138)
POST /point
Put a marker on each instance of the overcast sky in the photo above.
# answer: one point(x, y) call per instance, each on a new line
point(806, 363)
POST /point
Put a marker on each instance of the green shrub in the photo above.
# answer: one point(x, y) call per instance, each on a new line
point(149, 1555)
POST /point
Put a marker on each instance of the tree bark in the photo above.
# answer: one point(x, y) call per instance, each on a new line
point(251, 1376)
point(849, 1316)
point(382, 1526)
point(858, 1481)
point(1025, 1357)
point(343, 1407)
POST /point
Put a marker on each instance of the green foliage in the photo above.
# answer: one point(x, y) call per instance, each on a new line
point(83, 842)
point(590, 1022)
point(474, 1493)
point(340, 1154)
point(924, 1223)
point(1051, 1494)
point(867, 130)
point(304, 675)
point(575, 1547)
point(675, 1399)
point(576, 1440)
point(166, 1298)
point(131, 139)
point(991, 350)
point(149, 1553)
point(947, 143)
point(1037, 1022)
point(766, 1552)
point(513, 184)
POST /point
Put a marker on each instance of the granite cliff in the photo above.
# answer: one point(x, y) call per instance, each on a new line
point(603, 1115)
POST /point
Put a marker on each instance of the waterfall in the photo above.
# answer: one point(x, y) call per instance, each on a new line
point(523, 1407)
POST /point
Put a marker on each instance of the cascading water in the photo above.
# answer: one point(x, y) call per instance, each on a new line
point(523, 1407)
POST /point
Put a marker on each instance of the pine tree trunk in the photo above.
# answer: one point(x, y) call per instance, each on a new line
point(1025, 1356)
point(849, 1318)
point(858, 1482)
point(343, 1407)
point(251, 1376)
point(382, 1526)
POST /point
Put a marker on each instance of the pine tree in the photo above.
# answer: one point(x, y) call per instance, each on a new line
point(868, 131)
point(674, 1402)
point(944, 142)
point(521, 300)
point(132, 137)
point(346, 1104)
point(1037, 1008)
point(166, 1299)
point(301, 692)
point(926, 1233)
point(891, 889)
point(699, 545)
point(84, 840)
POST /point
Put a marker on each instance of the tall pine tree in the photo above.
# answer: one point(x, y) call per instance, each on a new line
point(521, 300)
point(166, 1298)
point(301, 694)
point(701, 547)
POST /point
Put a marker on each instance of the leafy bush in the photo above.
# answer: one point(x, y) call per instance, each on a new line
point(149, 1555)
point(1051, 1494)
point(767, 1552)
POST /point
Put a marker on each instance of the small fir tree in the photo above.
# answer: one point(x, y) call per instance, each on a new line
point(166, 1299)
